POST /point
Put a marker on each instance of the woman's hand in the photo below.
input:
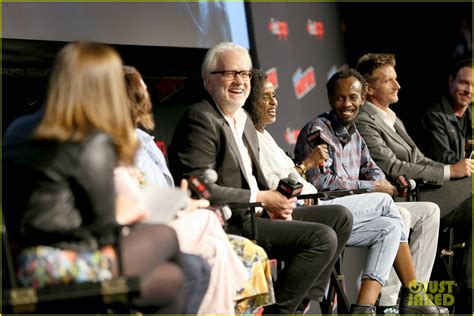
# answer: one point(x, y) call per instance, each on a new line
point(193, 204)
point(128, 212)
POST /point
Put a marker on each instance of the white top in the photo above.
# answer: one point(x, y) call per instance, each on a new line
point(389, 117)
point(276, 164)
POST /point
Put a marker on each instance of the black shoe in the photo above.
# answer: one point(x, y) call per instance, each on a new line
point(387, 310)
point(303, 307)
point(363, 309)
point(415, 301)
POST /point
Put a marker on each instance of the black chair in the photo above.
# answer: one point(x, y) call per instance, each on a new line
point(336, 285)
point(336, 291)
point(114, 295)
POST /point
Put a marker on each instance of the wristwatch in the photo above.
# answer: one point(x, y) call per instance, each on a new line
point(302, 167)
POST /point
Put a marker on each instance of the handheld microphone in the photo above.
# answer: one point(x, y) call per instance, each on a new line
point(315, 139)
point(199, 186)
point(404, 186)
point(290, 187)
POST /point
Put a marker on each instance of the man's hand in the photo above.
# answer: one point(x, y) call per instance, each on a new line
point(385, 187)
point(461, 169)
point(277, 206)
point(318, 155)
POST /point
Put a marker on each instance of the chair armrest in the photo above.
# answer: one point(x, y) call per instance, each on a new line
point(331, 194)
point(251, 208)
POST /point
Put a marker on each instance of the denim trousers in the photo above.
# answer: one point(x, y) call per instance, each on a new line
point(377, 225)
point(423, 218)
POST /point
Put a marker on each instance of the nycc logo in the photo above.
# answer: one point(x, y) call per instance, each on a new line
point(273, 77)
point(279, 28)
point(291, 135)
point(161, 145)
point(303, 82)
point(315, 28)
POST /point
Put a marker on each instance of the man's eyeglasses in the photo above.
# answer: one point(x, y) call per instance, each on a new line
point(231, 74)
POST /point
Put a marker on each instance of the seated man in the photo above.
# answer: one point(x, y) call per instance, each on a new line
point(350, 167)
point(447, 123)
point(395, 153)
point(216, 133)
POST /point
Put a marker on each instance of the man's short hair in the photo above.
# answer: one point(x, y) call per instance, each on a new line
point(458, 65)
point(346, 73)
point(369, 63)
point(210, 60)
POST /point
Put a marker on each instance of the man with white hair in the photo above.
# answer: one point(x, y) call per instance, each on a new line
point(218, 134)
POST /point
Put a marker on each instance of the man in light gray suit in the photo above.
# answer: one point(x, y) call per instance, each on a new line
point(395, 153)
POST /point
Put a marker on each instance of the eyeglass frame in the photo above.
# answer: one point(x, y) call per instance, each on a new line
point(234, 72)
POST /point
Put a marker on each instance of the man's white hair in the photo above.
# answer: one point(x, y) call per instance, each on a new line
point(210, 60)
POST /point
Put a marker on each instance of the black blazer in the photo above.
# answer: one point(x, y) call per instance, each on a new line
point(203, 139)
point(444, 139)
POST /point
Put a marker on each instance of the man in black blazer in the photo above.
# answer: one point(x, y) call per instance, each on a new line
point(217, 133)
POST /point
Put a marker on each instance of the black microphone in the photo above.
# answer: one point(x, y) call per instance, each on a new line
point(404, 186)
point(199, 185)
point(290, 187)
point(315, 139)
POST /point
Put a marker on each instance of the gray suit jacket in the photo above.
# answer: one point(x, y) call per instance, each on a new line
point(203, 139)
point(395, 152)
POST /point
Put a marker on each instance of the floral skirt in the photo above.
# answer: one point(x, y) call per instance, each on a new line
point(258, 290)
point(43, 265)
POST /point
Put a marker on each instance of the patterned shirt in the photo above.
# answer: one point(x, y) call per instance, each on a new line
point(349, 165)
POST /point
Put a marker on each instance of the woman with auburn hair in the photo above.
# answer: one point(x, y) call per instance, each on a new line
point(63, 216)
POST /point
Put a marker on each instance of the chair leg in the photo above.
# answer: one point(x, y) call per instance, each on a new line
point(336, 291)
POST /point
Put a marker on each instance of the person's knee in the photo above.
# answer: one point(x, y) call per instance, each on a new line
point(345, 217)
point(391, 228)
point(432, 213)
point(325, 240)
point(162, 285)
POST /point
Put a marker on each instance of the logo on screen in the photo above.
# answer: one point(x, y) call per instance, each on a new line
point(273, 77)
point(279, 28)
point(291, 135)
point(303, 82)
point(315, 28)
point(161, 145)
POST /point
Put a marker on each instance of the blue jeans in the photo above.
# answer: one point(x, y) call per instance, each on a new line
point(378, 226)
point(423, 218)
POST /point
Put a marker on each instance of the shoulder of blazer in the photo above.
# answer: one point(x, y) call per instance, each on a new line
point(205, 110)
point(367, 112)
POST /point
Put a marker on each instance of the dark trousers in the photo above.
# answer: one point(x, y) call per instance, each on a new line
point(454, 200)
point(309, 245)
point(198, 273)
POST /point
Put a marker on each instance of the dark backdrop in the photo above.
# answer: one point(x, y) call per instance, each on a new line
point(423, 36)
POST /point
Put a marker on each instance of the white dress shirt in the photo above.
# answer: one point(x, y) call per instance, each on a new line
point(237, 125)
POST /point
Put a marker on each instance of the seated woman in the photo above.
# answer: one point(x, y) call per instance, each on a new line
point(62, 212)
point(377, 221)
point(200, 232)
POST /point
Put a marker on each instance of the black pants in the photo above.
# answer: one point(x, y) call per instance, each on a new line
point(309, 245)
point(454, 200)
